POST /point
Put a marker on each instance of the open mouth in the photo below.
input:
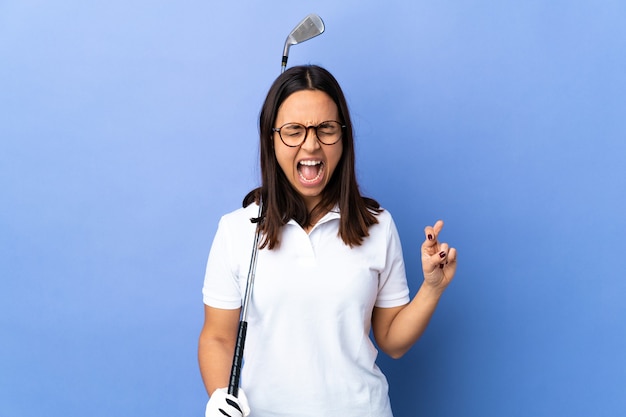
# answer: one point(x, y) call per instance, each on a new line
point(310, 171)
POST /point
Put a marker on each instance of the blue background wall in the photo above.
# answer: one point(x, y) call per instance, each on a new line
point(128, 128)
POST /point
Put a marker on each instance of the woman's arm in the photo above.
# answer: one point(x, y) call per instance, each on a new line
point(397, 329)
point(216, 346)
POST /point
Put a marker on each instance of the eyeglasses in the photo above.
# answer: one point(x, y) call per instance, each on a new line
point(294, 134)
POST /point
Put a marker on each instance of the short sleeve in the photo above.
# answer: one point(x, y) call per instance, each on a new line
point(221, 285)
point(393, 290)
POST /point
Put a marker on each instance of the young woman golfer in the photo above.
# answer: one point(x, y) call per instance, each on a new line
point(329, 270)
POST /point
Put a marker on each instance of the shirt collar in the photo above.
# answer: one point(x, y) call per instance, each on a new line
point(333, 214)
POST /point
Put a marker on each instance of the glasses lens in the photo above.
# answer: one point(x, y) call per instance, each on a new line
point(329, 132)
point(292, 134)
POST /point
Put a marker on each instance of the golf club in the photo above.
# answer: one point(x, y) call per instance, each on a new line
point(308, 28)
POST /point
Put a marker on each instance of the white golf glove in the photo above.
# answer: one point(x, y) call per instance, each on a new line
point(221, 404)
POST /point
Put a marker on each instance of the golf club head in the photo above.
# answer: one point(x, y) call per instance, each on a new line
point(308, 28)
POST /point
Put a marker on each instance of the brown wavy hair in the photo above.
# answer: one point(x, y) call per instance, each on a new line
point(281, 202)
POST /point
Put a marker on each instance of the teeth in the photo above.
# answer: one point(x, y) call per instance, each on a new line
point(310, 163)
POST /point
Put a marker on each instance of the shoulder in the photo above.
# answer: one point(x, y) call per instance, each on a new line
point(384, 217)
point(242, 213)
point(383, 229)
point(386, 228)
point(238, 222)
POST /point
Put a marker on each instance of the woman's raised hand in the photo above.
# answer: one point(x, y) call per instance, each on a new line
point(438, 259)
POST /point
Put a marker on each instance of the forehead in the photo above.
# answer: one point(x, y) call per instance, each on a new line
point(307, 107)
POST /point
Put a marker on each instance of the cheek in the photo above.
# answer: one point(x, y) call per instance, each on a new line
point(284, 156)
point(335, 157)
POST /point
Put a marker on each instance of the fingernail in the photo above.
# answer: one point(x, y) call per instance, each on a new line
point(430, 237)
point(442, 254)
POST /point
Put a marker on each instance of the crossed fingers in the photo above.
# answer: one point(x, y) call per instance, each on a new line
point(437, 253)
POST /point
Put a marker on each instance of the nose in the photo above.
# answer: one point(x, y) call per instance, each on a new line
point(310, 141)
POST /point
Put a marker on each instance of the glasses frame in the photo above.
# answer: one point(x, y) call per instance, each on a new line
point(306, 132)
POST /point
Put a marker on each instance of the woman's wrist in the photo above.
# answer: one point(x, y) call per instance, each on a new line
point(432, 290)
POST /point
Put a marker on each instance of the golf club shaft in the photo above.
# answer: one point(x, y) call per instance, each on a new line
point(235, 371)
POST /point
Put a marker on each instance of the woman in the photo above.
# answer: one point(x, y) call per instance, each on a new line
point(330, 269)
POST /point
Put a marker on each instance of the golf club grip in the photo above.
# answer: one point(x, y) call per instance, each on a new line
point(235, 370)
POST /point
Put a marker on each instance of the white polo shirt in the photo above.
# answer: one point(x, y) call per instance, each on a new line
point(308, 351)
